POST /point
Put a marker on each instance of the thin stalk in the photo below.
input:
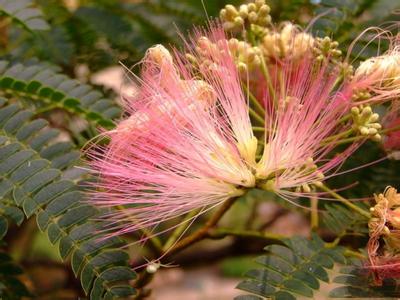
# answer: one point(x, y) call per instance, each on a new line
point(314, 213)
point(351, 139)
point(256, 116)
point(360, 137)
point(349, 252)
point(334, 243)
point(179, 230)
point(220, 233)
point(337, 136)
point(253, 100)
point(265, 72)
point(345, 201)
point(155, 241)
point(204, 231)
point(258, 129)
point(281, 82)
point(387, 130)
point(344, 118)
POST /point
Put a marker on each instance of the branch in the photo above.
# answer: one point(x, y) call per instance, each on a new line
point(203, 232)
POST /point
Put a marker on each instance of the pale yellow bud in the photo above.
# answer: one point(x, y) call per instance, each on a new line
point(377, 138)
point(243, 11)
point(159, 54)
point(364, 130)
point(231, 11)
point(259, 3)
point(252, 17)
point(288, 43)
point(306, 188)
point(251, 7)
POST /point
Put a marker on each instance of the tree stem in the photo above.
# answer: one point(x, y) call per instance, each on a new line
point(223, 232)
point(204, 231)
point(178, 231)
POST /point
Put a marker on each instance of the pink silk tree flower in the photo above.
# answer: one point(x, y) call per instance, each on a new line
point(188, 143)
point(302, 125)
point(380, 76)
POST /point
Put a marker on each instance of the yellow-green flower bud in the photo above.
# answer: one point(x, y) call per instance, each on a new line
point(365, 122)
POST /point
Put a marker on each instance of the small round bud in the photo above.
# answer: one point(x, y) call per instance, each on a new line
point(355, 111)
point(243, 11)
point(306, 188)
point(238, 21)
point(377, 138)
point(372, 131)
point(259, 3)
point(364, 130)
point(251, 7)
point(231, 11)
point(318, 183)
point(253, 17)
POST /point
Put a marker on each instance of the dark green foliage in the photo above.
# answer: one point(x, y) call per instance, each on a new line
point(334, 15)
point(346, 19)
point(102, 33)
point(293, 270)
point(357, 282)
point(32, 164)
point(342, 221)
point(11, 288)
point(24, 13)
point(55, 90)
point(375, 178)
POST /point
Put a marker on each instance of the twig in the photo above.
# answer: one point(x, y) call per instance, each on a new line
point(204, 231)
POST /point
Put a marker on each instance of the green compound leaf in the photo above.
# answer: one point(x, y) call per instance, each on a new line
point(24, 13)
point(357, 282)
point(49, 89)
point(291, 271)
point(31, 179)
point(10, 286)
point(342, 221)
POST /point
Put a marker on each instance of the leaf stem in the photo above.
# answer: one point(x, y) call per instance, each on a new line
point(219, 233)
point(253, 100)
point(345, 201)
point(256, 116)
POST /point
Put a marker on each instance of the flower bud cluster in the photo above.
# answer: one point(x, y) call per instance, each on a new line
point(360, 95)
point(325, 48)
point(288, 42)
point(246, 56)
point(310, 168)
point(365, 122)
point(385, 220)
point(234, 19)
